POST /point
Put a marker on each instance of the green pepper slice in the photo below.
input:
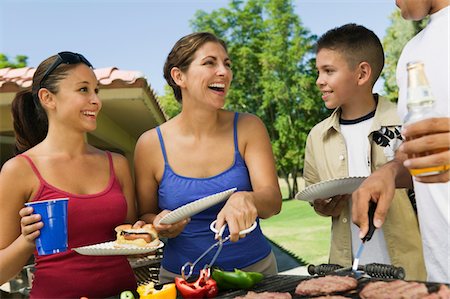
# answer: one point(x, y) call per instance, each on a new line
point(236, 279)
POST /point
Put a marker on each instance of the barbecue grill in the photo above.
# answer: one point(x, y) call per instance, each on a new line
point(288, 283)
point(146, 269)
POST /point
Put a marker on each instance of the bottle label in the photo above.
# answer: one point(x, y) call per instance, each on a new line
point(419, 94)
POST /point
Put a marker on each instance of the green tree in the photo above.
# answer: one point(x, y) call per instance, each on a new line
point(397, 35)
point(20, 61)
point(168, 102)
point(274, 73)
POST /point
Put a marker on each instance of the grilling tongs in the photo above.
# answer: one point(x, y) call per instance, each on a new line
point(218, 244)
point(367, 237)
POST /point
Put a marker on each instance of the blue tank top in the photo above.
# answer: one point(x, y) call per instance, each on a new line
point(176, 190)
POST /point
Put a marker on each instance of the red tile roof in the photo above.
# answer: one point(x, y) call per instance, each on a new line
point(22, 77)
point(13, 80)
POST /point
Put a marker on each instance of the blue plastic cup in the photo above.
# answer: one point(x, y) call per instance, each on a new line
point(53, 237)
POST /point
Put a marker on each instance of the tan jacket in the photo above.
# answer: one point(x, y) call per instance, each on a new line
point(326, 158)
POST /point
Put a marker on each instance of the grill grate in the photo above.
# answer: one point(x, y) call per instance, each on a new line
point(288, 283)
point(146, 268)
point(147, 274)
point(277, 283)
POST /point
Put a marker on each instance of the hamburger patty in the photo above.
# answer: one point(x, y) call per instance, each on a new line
point(394, 289)
point(326, 285)
point(265, 295)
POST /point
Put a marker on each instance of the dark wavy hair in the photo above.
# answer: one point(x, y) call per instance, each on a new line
point(182, 55)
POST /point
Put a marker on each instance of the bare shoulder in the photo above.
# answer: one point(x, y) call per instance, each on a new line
point(251, 124)
point(148, 154)
point(119, 160)
point(148, 140)
point(15, 166)
point(122, 168)
point(99, 155)
point(250, 119)
point(17, 176)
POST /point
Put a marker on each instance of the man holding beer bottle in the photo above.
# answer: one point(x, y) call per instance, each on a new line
point(427, 142)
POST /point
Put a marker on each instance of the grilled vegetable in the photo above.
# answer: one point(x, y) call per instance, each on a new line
point(148, 291)
point(203, 287)
point(236, 279)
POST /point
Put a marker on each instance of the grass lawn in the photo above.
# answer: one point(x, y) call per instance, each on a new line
point(300, 230)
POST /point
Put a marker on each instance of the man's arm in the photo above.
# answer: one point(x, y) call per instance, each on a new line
point(379, 187)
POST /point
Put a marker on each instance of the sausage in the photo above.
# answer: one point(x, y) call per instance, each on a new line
point(127, 235)
point(144, 236)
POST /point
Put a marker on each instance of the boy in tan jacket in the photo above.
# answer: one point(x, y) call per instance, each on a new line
point(361, 134)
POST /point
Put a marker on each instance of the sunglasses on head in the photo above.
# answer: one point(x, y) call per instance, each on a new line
point(67, 58)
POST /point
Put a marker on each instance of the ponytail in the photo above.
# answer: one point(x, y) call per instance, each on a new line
point(29, 120)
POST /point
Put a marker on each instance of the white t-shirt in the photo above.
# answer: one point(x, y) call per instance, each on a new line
point(358, 152)
point(431, 46)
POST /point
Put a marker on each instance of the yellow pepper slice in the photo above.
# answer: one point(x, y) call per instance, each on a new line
point(148, 291)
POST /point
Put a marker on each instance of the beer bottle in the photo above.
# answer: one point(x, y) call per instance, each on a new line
point(420, 105)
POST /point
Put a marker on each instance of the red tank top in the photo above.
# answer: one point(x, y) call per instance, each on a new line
point(91, 220)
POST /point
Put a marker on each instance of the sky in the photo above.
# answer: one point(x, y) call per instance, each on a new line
point(137, 35)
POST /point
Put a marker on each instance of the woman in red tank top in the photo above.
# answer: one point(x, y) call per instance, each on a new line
point(50, 122)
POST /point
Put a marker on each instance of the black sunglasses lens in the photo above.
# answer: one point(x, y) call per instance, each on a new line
point(72, 58)
point(65, 57)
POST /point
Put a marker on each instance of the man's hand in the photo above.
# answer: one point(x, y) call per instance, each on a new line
point(379, 187)
point(429, 141)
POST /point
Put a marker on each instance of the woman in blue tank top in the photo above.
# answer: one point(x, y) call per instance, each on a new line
point(202, 151)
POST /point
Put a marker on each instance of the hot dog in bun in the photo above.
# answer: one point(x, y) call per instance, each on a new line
point(146, 236)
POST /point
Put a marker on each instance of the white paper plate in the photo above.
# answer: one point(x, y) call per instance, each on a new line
point(110, 248)
point(330, 188)
point(195, 207)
